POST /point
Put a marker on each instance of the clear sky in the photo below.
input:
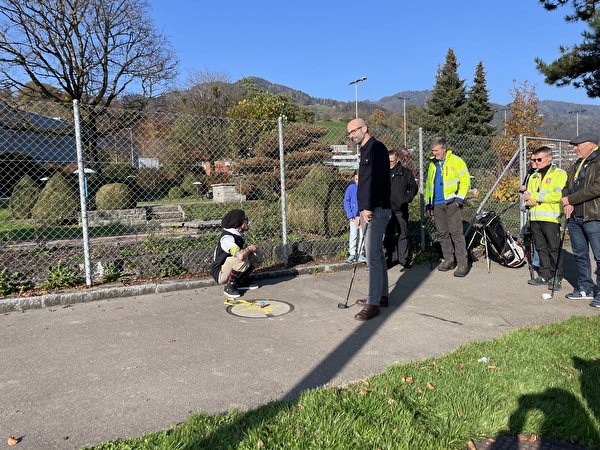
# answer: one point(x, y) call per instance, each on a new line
point(318, 47)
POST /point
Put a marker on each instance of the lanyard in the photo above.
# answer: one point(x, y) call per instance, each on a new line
point(579, 168)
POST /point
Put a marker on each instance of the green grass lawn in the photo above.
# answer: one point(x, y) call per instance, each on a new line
point(542, 380)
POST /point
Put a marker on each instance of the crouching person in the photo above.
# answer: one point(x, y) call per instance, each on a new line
point(232, 262)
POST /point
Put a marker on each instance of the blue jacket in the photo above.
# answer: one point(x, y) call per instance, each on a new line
point(350, 200)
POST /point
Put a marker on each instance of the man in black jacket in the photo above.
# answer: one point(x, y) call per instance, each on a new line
point(404, 189)
point(374, 205)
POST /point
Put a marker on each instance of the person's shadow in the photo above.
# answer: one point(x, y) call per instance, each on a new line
point(563, 413)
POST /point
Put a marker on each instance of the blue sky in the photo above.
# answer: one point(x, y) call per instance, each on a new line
point(318, 47)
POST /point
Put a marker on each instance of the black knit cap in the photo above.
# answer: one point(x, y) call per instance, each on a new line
point(233, 219)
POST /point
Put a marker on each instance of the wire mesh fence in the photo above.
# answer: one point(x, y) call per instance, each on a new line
point(148, 189)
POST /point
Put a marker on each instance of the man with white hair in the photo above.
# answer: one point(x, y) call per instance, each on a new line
point(581, 202)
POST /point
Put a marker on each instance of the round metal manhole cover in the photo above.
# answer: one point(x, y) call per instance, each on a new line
point(258, 309)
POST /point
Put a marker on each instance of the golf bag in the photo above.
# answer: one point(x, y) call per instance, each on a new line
point(510, 252)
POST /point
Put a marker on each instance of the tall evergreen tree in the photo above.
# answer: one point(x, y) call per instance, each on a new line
point(444, 112)
point(478, 110)
point(577, 64)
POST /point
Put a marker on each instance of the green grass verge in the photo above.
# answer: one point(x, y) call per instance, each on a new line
point(541, 380)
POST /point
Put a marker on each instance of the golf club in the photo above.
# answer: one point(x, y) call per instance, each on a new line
point(360, 250)
point(560, 247)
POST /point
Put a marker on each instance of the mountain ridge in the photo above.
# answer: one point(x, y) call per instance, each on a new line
point(561, 119)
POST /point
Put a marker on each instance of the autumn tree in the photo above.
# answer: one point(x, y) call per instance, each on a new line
point(444, 113)
point(92, 51)
point(577, 65)
point(378, 119)
point(208, 94)
point(258, 113)
point(524, 120)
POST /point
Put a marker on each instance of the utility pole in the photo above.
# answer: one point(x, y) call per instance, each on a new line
point(355, 83)
point(404, 115)
point(576, 112)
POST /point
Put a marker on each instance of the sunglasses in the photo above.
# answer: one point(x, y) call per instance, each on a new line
point(536, 159)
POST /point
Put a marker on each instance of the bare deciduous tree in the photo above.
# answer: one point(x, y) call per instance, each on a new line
point(92, 50)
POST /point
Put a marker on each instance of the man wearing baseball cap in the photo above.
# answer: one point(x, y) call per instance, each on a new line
point(581, 201)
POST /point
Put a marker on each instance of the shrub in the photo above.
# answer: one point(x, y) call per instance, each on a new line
point(13, 282)
point(193, 189)
point(115, 196)
point(58, 202)
point(118, 173)
point(176, 192)
point(61, 276)
point(23, 198)
point(317, 205)
point(13, 167)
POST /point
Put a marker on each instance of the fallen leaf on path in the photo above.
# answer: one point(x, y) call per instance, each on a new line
point(13, 440)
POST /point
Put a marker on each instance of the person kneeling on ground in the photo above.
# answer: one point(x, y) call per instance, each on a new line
point(232, 262)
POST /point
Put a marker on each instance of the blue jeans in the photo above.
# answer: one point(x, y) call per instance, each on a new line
point(583, 236)
point(355, 239)
point(378, 276)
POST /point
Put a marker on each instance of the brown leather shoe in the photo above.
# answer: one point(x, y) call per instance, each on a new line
point(446, 265)
point(368, 312)
point(384, 302)
point(461, 271)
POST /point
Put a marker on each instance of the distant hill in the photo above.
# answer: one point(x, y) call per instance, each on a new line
point(560, 118)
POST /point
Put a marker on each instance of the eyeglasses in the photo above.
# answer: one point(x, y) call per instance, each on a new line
point(355, 130)
point(536, 159)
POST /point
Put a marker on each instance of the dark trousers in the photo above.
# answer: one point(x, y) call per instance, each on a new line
point(546, 238)
point(396, 238)
point(449, 226)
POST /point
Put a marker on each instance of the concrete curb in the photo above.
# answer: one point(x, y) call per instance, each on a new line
point(105, 292)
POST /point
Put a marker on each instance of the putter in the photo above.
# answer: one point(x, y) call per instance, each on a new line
point(360, 250)
point(560, 247)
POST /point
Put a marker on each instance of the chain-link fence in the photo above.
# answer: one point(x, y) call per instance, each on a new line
point(103, 194)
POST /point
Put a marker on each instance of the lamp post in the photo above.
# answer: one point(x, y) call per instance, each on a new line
point(576, 112)
point(355, 83)
point(404, 115)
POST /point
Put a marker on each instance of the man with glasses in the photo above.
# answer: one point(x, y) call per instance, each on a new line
point(404, 188)
point(232, 262)
point(374, 206)
point(581, 202)
point(542, 197)
point(448, 182)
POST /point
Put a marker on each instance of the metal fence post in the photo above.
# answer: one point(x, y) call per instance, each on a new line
point(282, 182)
point(82, 194)
point(422, 188)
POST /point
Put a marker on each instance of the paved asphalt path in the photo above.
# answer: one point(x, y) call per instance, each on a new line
point(76, 374)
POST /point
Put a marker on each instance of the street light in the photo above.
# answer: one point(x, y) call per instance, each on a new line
point(576, 112)
point(404, 115)
point(355, 83)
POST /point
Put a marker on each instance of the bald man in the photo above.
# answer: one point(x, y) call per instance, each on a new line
point(374, 192)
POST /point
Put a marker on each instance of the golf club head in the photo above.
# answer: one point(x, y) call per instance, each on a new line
point(546, 296)
point(343, 305)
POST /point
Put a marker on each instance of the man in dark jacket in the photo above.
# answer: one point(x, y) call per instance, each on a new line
point(404, 189)
point(374, 206)
point(581, 201)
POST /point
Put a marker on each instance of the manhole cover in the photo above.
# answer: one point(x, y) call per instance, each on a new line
point(258, 309)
